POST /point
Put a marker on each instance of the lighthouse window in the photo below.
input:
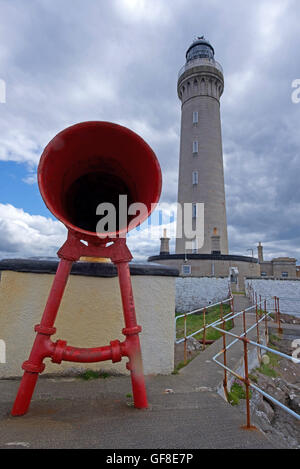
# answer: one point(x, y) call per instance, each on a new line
point(195, 146)
point(201, 50)
point(195, 117)
point(195, 177)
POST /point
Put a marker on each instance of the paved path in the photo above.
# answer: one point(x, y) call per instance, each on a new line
point(240, 302)
point(72, 413)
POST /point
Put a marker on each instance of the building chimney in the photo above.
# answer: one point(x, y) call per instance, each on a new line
point(164, 243)
point(215, 242)
point(260, 253)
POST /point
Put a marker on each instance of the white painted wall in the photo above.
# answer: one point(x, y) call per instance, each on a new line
point(90, 315)
point(193, 293)
point(288, 291)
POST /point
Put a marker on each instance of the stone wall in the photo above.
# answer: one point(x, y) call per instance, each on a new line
point(193, 293)
point(287, 290)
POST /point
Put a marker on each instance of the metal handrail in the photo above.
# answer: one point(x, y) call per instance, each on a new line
point(205, 326)
point(179, 341)
point(243, 338)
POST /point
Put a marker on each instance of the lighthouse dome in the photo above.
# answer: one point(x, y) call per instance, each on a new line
point(200, 48)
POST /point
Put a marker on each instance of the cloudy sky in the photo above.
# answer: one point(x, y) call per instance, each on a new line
point(67, 61)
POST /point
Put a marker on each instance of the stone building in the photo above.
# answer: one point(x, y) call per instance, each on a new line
point(279, 267)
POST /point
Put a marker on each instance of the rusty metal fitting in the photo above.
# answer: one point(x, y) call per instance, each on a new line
point(32, 368)
point(245, 340)
point(44, 329)
point(131, 330)
point(116, 353)
point(60, 347)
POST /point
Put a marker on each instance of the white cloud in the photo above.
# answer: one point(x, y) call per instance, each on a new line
point(25, 235)
point(143, 11)
point(270, 14)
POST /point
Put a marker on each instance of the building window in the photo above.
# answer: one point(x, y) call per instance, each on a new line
point(195, 117)
point(263, 274)
point(194, 210)
point(195, 177)
point(284, 274)
point(195, 147)
point(186, 270)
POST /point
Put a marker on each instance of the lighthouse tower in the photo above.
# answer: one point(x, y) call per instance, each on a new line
point(201, 176)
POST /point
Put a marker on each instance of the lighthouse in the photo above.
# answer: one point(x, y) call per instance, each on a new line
point(200, 85)
point(201, 176)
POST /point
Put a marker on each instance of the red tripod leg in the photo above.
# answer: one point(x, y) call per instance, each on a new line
point(42, 346)
point(131, 331)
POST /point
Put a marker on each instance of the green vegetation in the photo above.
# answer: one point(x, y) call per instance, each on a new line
point(182, 364)
point(273, 338)
point(129, 402)
point(253, 378)
point(91, 374)
point(236, 393)
point(268, 365)
point(260, 312)
point(194, 322)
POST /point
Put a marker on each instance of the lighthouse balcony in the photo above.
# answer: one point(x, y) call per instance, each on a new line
point(200, 61)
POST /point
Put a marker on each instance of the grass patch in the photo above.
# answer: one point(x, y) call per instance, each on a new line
point(253, 378)
point(181, 365)
point(268, 368)
point(236, 393)
point(194, 322)
point(91, 374)
point(260, 312)
point(273, 339)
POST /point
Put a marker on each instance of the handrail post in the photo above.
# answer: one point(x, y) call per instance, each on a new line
point(279, 322)
point(246, 381)
point(232, 309)
point(204, 329)
point(260, 301)
point(257, 333)
point(225, 383)
point(185, 341)
point(266, 322)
